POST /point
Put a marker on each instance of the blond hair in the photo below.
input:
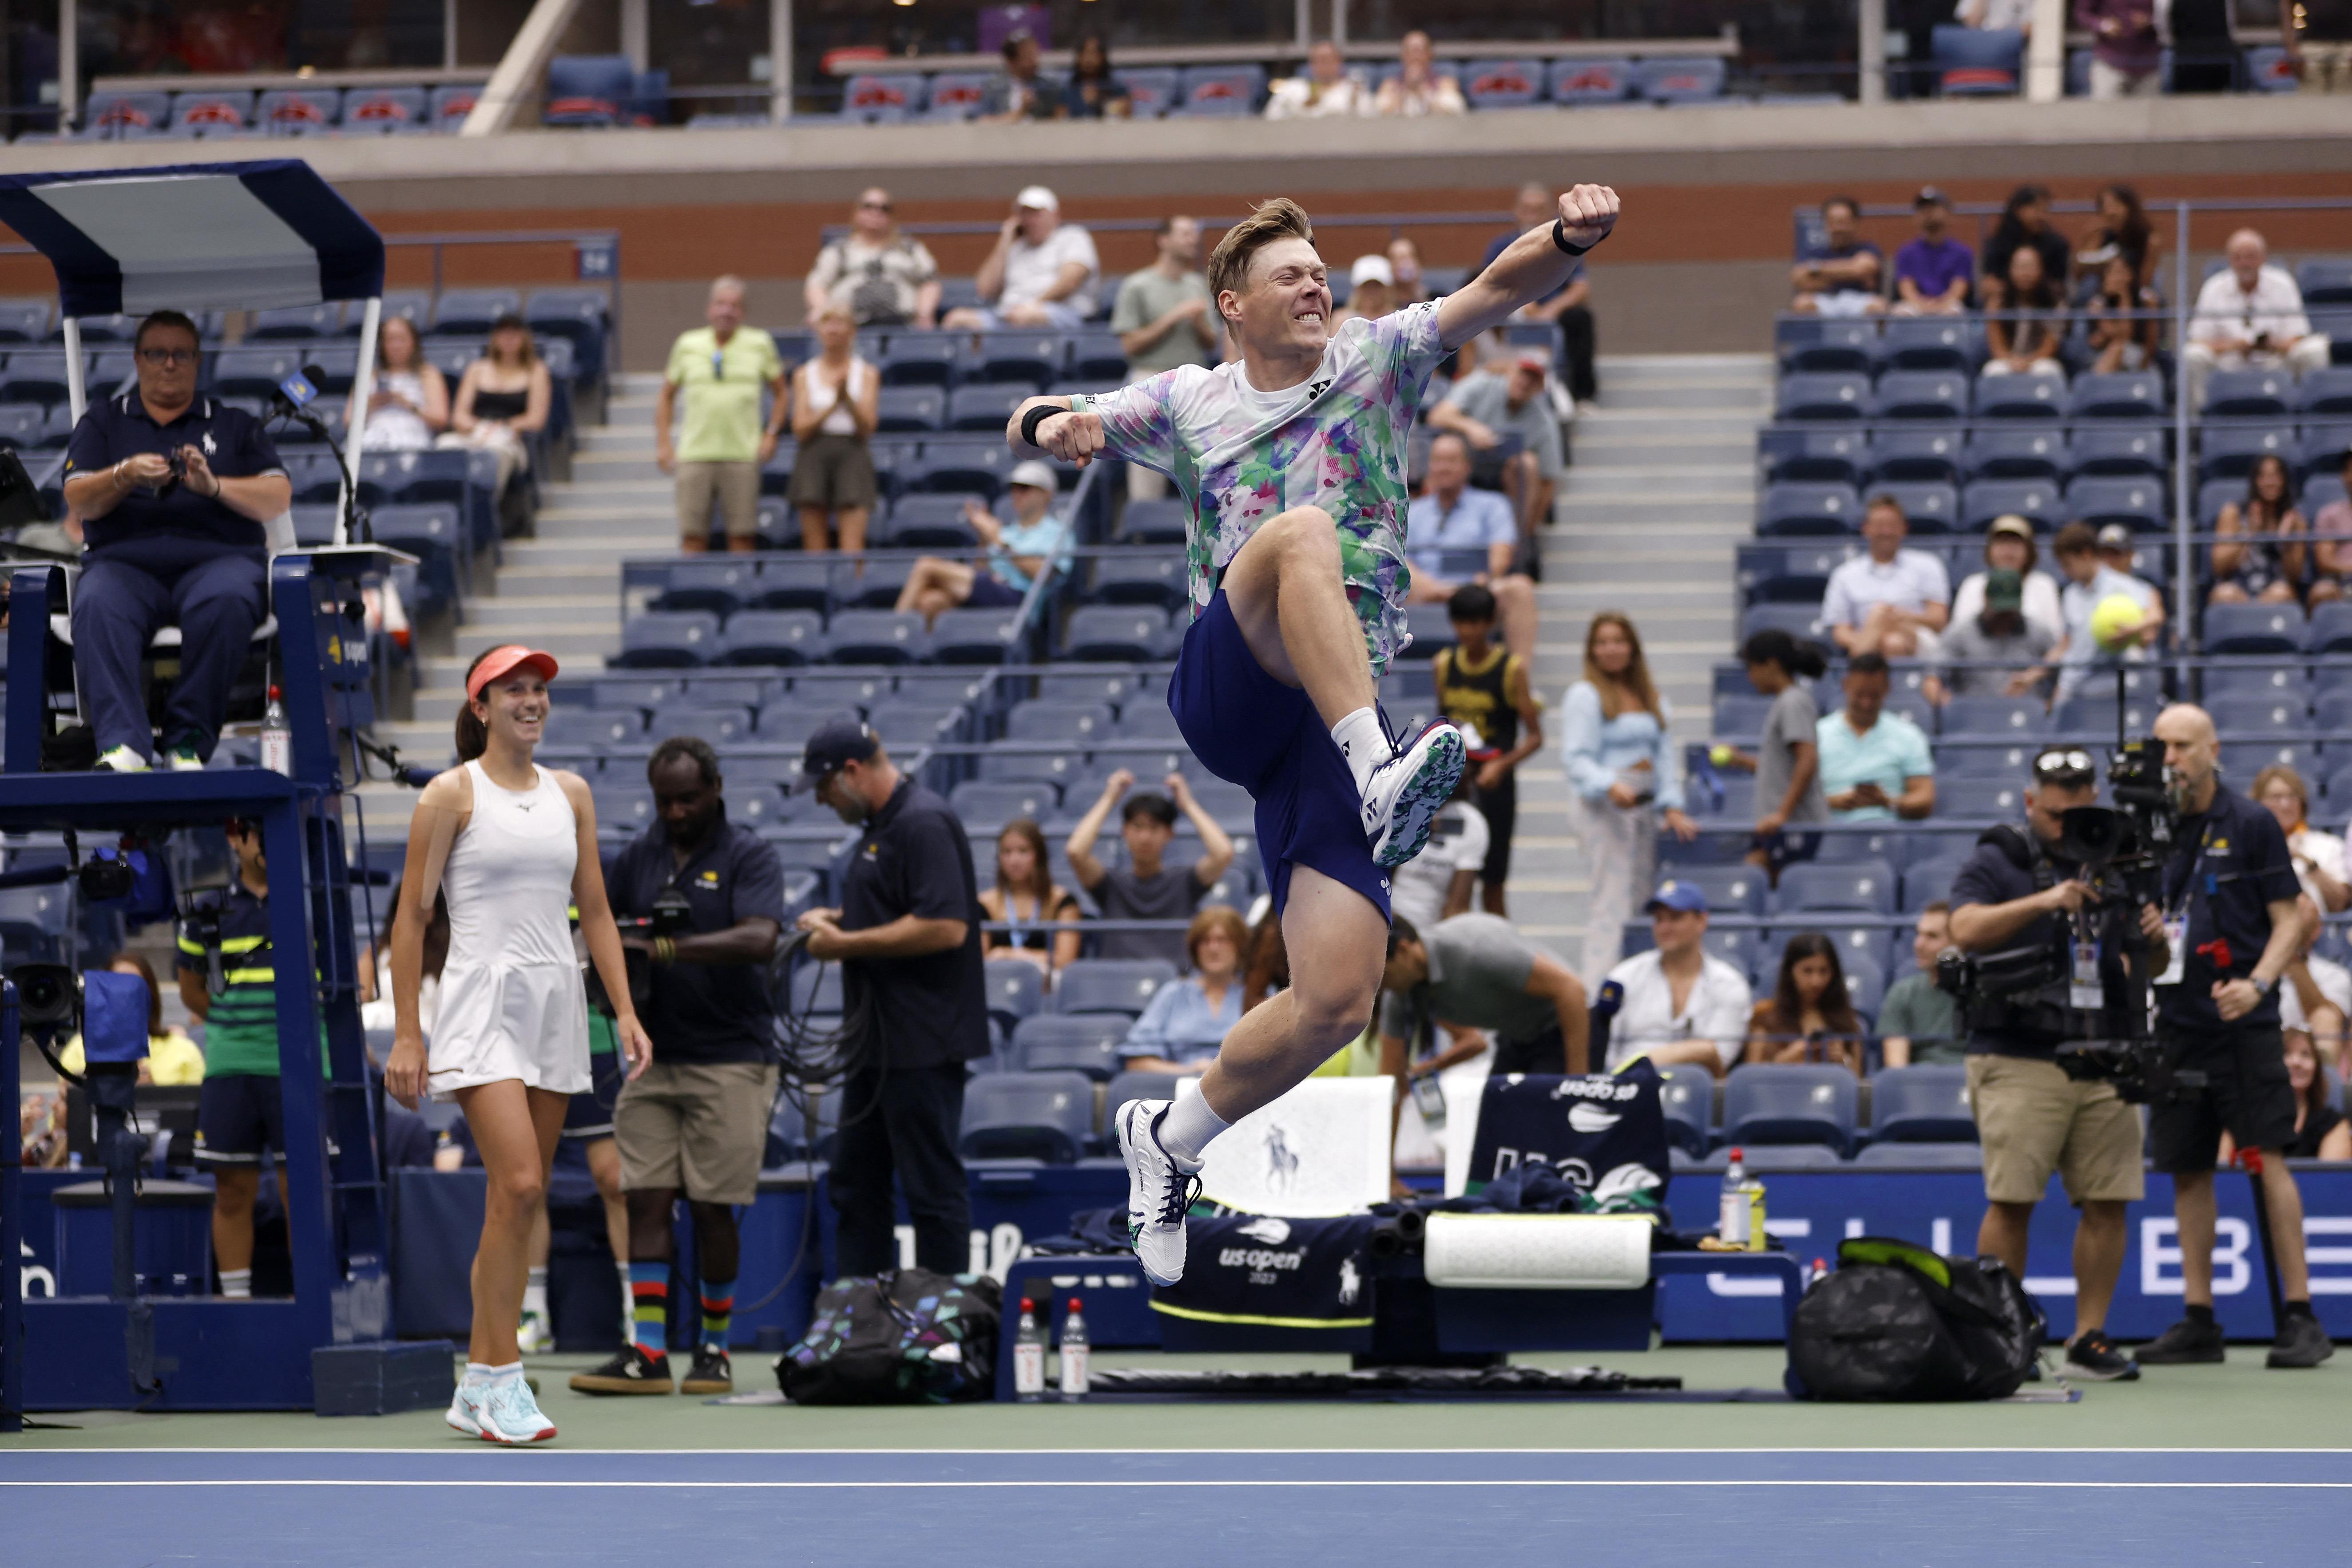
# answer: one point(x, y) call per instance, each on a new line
point(1280, 218)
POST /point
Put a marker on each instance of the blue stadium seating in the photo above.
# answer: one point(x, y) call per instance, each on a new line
point(1974, 800)
point(975, 636)
point(1672, 81)
point(772, 637)
point(986, 407)
point(2327, 392)
point(926, 522)
point(1123, 986)
point(875, 637)
point(1927, 509)
point(1923, 1157)
point(2037, 453)
point(1925, 1104)
point(1580, 81)
point(1160, 522)
point(2224, 452)
point(1921, 394)
point(985, 807)
point(2254, 629)
point(1132, 1085)
point(720, 586)
point(1087, 1045)
point(2127, 451)
point(2256, 393)
point(1687, 1097)
point(1916, 456)
point(1077, 724)
point(1047, 1117)
point(1795, 455)
point(1790, 1103)
point(1976, 62)
point(1867, 885)
point(2137, 504)
point(2135, 395)
point(1828, 343)
point(1504, 83)
point(2020, 397)
point(1927, 881)
point(1222, 90)
point(1823, 397)
point(1151, 91)
point(1157, 578)
point(1807, 509)
point(911, 408)
point(2282, 715)
point(2330, 630)
point(1017, 991)
point(668, 640)
point(1932, 344)
point(2244, 758)
point(2227, 686)
point(1116, 632)
point(2035, 501)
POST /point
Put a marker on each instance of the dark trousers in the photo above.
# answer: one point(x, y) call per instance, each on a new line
point(904, 1121)
point(1576, 354)
point(128, 590)
point(1548, 1052)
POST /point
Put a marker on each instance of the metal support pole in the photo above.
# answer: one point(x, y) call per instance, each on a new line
point(77, 387)
point(363, 387)
point(1340, 23)
point(779, 60)
point(68, 64)
point(448, 35)
point(2045, 53)
point(2184, 567)
point(12, 1241)
point(1870, 51)
point(1304, 23)
point(636, 40)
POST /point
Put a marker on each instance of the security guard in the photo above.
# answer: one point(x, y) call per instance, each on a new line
point(907, 936)
point(2229, 898)
point(173, 489)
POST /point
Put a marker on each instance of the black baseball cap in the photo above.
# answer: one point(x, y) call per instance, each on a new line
point(840, 741)
point(1929, 196)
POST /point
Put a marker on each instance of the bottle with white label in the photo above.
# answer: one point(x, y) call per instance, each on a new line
point(1731, 1211)
point(277, 738)
point(1076, 1357)
point(1029, 1357)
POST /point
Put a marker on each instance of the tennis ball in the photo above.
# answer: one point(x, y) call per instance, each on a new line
point(2114, 619)
point(1720, 754)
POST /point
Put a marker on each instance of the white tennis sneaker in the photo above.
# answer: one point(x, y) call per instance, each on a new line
point(1159, 1192)
point(508, 1413)
point(1404, 794)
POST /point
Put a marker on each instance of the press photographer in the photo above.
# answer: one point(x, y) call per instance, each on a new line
point(2230, 900)
point(2022, 911)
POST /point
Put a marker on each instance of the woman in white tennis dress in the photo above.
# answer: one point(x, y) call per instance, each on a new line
point(513, 846)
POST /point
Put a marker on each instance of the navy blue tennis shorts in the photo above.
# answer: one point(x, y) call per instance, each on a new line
point(590, 1115)
point(1250, 729)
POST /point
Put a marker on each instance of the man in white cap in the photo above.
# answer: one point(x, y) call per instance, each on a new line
point(1035, 540)
point(1371, 291)
point(1043, 272)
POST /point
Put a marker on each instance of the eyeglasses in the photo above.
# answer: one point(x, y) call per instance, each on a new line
point(2064, 766)
point(169, 356)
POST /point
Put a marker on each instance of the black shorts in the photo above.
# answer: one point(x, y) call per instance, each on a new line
point(988, 593)
point(1500, 807)
point(1548, 1052)
point(238, 1115)
point(590, 1114)
point(2246, 1093)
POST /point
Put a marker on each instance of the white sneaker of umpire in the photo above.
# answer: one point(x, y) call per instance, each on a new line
point(1159, 1191)
point(1404, 794)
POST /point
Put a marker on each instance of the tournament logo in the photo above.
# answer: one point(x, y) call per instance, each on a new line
point(1272, 1231)
point(1281, 1161)
point(1588, 1118)
point(1350, 1283)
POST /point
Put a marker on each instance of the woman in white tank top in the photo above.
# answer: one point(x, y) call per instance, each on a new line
point(513, 847)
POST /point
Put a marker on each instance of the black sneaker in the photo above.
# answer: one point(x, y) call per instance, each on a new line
point(2094, 1358)
point(711, 1373)
point(2185, 1343)
point(630, 1372)
point(2301, 1342)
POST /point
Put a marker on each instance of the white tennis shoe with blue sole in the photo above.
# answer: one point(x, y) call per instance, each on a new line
point(1404, 794)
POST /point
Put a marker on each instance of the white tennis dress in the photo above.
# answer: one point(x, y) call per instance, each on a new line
point(513, 1005)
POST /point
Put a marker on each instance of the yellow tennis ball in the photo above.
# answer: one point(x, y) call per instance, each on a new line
point(2114, 619)
point(1720, 754)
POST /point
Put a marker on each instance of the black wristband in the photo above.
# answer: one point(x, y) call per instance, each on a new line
point(1560, 238)
point(1036, 417)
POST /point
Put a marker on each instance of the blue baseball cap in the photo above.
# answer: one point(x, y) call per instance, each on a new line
point(838, 742)
point(1686, 897)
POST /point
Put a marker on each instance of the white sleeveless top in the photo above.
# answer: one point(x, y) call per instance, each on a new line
point(821, 388)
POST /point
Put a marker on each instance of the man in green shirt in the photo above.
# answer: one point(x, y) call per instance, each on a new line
point(1163, 319)
point(1918, 1024)
point(723, 368)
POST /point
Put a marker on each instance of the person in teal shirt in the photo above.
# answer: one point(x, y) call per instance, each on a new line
point(1014, 553)
point(1876, 766)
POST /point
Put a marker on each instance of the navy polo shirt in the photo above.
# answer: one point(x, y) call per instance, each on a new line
point(2230, 865)
point(233, 443)
point(706, 1013)
point(1989, 877)
point(913, 859)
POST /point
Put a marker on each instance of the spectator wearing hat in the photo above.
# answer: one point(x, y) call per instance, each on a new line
point(1164, 319)
point(1677, 1003)
point(1451, 525)
point(1569, 306)
point(1500, 405)
point(1839, 274)
point(1147, 887)
point(1324, 91)
point(1996, 652)
point(1016, 93)
point(1876, 766)
point(2089, 581)
point(1041, 273)
point(1888, 600)
point(2120, 548)
point(1035, 541)
point(720, 368)
point(1932, 273)
point(2009, 545)
point(1371, 291)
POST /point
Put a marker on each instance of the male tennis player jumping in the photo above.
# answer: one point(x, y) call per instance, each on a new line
point(1293, 460)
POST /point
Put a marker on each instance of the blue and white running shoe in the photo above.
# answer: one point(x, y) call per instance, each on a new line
point(1159, 1192)
point(508, 1413)
point(1405, 793)
point(465, 1408)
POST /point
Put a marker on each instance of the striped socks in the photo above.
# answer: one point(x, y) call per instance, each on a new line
point(717, 1311)
point(649, 1320)
point(237, 1284)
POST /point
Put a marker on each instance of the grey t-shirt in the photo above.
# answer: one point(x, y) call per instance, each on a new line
point(1486, 396)
point(1795, 717)
point(1478, 969)
point(1143, 299)
point(1928, 1018)
point(1967, 639)
point(1172, 893)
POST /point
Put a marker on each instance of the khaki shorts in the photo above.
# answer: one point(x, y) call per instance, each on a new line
point(2033, 1119)
point(734, 486)
point(698, 1127)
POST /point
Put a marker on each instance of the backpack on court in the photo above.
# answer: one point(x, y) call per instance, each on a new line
point(1897, 1322)
point(908, 1337)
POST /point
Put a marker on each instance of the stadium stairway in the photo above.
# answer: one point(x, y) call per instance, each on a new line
point(1661, 491)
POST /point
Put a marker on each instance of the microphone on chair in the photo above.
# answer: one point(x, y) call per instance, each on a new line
point(296, 393)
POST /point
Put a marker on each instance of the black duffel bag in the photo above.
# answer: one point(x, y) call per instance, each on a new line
point(908, 1337)
point(1897, 1322)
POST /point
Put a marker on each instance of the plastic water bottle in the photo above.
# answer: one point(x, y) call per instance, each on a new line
point(1029, 1357)
point(1075, 1353)
point(1731, 1212)
point(277, 738)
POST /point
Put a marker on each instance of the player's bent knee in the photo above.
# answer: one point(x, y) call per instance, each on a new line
point(1304, 530)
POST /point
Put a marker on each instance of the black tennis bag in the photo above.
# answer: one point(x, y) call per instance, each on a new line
point(1896, 1322)
point(908, 1337)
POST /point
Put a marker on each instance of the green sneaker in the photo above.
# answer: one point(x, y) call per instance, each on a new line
point(184, 760)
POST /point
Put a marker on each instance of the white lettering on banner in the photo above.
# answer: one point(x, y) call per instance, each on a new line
point(2323, 1284)
point(905, 1239)
point(1730, 1285)
point(2159, 1257)
point(1939, 1235)
point(2050, 1284)
point(32, 1274)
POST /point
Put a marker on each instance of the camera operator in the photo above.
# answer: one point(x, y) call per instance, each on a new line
point(697, 1120)
point(2230, 896)
point(2015, 894)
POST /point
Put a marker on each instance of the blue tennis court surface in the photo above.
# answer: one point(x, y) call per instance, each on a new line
point(205, 1508)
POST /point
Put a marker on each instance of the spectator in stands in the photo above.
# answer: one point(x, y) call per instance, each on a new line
point(1501, 398)
point(2010, 546)
point(2126, 54)
point(2090, 581)
point(2024, 337)
point(1269, 959)
point(1890, 599)
point(883, 278)
point(1043, 914)
point(1371, 291)
point(836, 401)
point(1678, 1003)
point(173, 490)
point(2315, 996)
point(2318, 43)
point(1477, 972)
point(1876, 766)
point(1996, 652)
point(1787, 759)
point(2331, 545)
point(1999, 16)
point(1932, 273)
point(1404, 266)
point(1042, 272)
point(1093, 92)
point(2321, 1132)
point(2123, 333)
point(2123, 233)
point(1919, 1023)
point(1625, 773)
point(2249, 314)
point(1419, 89)
point(723, 367)
point(1439, 883)
point(502, 402)
point(1036, 540)
point(1485, 693)
point(2266, 572)
point(1164, 319)
point(2025, 221)
point(1327, 89)
point(410, 405)
point(1187, 1019)
point(172, 1060)
point(1570, 305)
point(1838, 275)
point(2120, 547)
point(1447, 526)
point(1015, 92)
point(1147, 887)
point(2318, 857)
point(1809, 1017)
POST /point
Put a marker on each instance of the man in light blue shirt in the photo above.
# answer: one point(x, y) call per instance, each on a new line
point(1035, 541)
point(1876, 766)
point(1457, 534)
point(2090, 580)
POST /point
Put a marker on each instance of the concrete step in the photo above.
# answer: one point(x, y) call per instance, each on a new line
point(632, 530)
point(584, 646)
point(1632, 479)
point(1604, 451)
point(565, 612)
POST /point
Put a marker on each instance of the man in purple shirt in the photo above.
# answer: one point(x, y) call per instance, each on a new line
point(1932, 272)
point(2125, 49)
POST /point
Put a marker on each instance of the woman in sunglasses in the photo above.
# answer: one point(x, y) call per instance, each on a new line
point(882, 277)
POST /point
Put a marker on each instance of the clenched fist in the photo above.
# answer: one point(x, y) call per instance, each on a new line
point(1588, 213)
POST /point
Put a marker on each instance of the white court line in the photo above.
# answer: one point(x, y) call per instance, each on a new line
point(455, 1447)
point(1128, 1484)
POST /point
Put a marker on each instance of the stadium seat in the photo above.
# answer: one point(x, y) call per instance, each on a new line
point(1796, 455)
point(1925, 1104)
point(1047, 1117)
point(1927, 509)
point(1809, 509)
point(1687, 1094)
point(2325, 279)
point(2020, 397)
point(1828, 343)
point(2137, 504)
point(240, 372)
point(1132, 1085)
point(875, 637)
point(1993, 716)
point(1017, 991)
point(1924, 882)
point(1981, 799)
point(934, 522)
point(2244, 758)
point(2325, 392)
point(2135, 395)
point(1790, 1103)
point(2254, 629)
point(1076, 724)
point(968, 636)
point(1577, 81)
point(2330, 629)
point(772, 637)
point(24, 321)
point(1823, 397)
point(1102, 633)
point(1977, 62)
point(112, 115)
point(1109, 985)
point(452, 104)
point(2232, 685)
point(2261, 395)
point(680, 640)
point(1028, 357)
point(1921, 394)
point(2093, 717)
point(2035, 501)
point(1929, 457)
point(623, 809)
point(978, 462)
point(1097, 357)
point(722, 726)
point(382, 107)
point(1740, 719)
point(1729, 889)
point(1865, 885)
point(1503, 84)
point(588, 90)
point(1932, 344)
point(911, 408)
point(1151, 91)
point(1155, 577)
point(211, 113)
point(2038, 452)
point(2118, 452)
point(986, 407)
point(303, 321)
point(1679, 80)
point(1053, 1043)
point(1957, 758)
point(1160, 522)
point(473, 312)
point(1801, 621)
point(286, 111)
point(985, 807)
point(2223, 452)
point(720, 586)
point(2281, 716)
point(1928, 1156)
point(1795, 574)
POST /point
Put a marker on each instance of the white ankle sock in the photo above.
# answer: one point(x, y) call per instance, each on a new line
point(534, 1293)
point(1187, 1127)
point(506, 1373)
point(628, 1304)
point(237, 1284)
point(1362, 742)
point(478, 1373)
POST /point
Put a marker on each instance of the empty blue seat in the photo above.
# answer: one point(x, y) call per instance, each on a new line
point(2227, 452)
point(1131, 1084)
point(1929, 457)
point(1045, 1117)
point(1828, 343)
point(588, 90)
point(1578, 81)
point(112, 115)
point(1016, 990)
point(911, 408)
point(1110, 985)
point(1774, 574)
point(212, 113)
point(2325, 279)
point(1115, 632)
point(2244, 758)
point(985, 407)
point(2093, 717)
point(1078, 724)
point(1823, 396)
point(1503, 84)
point(2032, 454)
point(1925, 1104)
point(1790, 1103)
point(973, 462)
point(2232, 685)
point(968, 636)
point(623, 809)
point(1160, 522)
point(1865, 885)
point(1928, 509)
point(875, 637)
point(2020, 397)
point(2135, 395)
point(2330, 630)
point(303, 321)
point(720, 586)
point(1151, 91)
point(794, 584)
point(292, 112)
point(1222, 90)
point(1932, 344)
point(2255, 394)
point(2119, 451)
point(1052, 1043)
point(1697, 80)
point(1974, 800)
point(668, 640)
point(1027, 357)
point(2254, 629)
point(2137, 504)
point(772, 637)
point(928, 522)
point(919, 358)
point(1740, 719)
point(2282, 714)
point(2035, 501)
point(1977, 62)
point(471, 312)
point(1921, 394)
point(1817, 509)
point(2327, 392)
point(985, 807)
point(721, 726)
point(1927, 882)
point(1687, 1094)
point(1793, 454)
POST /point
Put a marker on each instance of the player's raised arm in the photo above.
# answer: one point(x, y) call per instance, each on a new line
point(1045, 426)
point(1535, 263)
